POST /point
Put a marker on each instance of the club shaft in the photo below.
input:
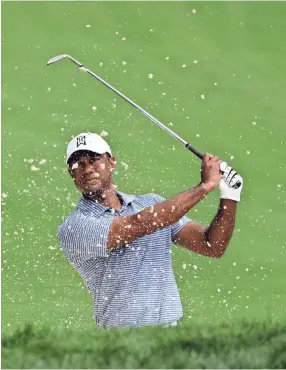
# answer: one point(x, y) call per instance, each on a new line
point(131, 102)
point(146, 114)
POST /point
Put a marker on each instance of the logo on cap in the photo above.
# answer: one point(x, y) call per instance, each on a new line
point(81, 140)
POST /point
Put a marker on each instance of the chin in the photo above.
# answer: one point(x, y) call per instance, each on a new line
point(97, 192)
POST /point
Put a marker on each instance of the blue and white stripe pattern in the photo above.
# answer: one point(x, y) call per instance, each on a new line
point(134, 285)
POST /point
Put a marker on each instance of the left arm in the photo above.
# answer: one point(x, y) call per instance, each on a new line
point(213, 240)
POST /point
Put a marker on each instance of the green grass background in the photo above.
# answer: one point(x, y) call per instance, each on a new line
point(240, 51)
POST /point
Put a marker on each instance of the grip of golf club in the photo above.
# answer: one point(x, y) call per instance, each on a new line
point(200, 155)
point(194, 150)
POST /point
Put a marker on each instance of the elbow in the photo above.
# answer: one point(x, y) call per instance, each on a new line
point(216, 249)
point(219, 250)
point(217, 254)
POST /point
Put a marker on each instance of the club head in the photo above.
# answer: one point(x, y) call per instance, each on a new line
point(57, 58)
point(63, 56)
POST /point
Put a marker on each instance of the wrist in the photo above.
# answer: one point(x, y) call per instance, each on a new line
point(228, 204)
point(205, 187)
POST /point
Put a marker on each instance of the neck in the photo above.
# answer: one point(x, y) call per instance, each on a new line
point(106, 197)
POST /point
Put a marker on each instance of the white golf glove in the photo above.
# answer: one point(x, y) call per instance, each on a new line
point(230, 178)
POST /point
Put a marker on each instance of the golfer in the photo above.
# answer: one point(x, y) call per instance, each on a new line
point(120, 244)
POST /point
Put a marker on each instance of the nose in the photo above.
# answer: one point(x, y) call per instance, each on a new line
point(87, 169)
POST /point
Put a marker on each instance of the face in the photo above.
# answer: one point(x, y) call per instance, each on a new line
point(91, 172)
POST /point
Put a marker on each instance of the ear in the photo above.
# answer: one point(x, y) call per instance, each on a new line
point(112, 163)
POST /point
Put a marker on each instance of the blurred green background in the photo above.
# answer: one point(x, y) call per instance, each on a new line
point(232, 54)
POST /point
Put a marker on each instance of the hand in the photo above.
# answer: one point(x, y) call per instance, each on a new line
point(227, 185)
point(211, 174)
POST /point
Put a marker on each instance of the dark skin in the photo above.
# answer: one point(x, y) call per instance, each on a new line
point(93, 177)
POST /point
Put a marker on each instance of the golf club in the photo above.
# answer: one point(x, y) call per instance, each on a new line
point(148, 115)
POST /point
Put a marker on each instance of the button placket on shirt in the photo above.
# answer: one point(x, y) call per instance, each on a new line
point(116, 212)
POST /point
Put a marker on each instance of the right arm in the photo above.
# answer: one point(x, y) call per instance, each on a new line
point(126, 229)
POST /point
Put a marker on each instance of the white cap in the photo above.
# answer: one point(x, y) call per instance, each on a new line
point(88, 141)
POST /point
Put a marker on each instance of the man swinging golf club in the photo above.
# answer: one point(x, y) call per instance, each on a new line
point(120, 244)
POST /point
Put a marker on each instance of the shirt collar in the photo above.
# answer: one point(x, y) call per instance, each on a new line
point(87, 205)
point(127, 199)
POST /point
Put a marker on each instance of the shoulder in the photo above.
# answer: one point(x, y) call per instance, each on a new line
point(148, 199)
point(152, 197)
point(75, 219)
point(78, 222)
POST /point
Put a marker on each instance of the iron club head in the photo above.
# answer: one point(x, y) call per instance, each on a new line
point(63, 56)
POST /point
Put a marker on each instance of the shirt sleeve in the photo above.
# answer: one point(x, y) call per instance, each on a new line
point(83, 237)
point(179, 225)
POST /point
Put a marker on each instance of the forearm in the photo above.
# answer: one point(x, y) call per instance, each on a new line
point(220, 231)
point(171, 210)
point(126, 229)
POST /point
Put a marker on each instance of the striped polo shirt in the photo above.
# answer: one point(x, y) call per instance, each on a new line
point(132, 285)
